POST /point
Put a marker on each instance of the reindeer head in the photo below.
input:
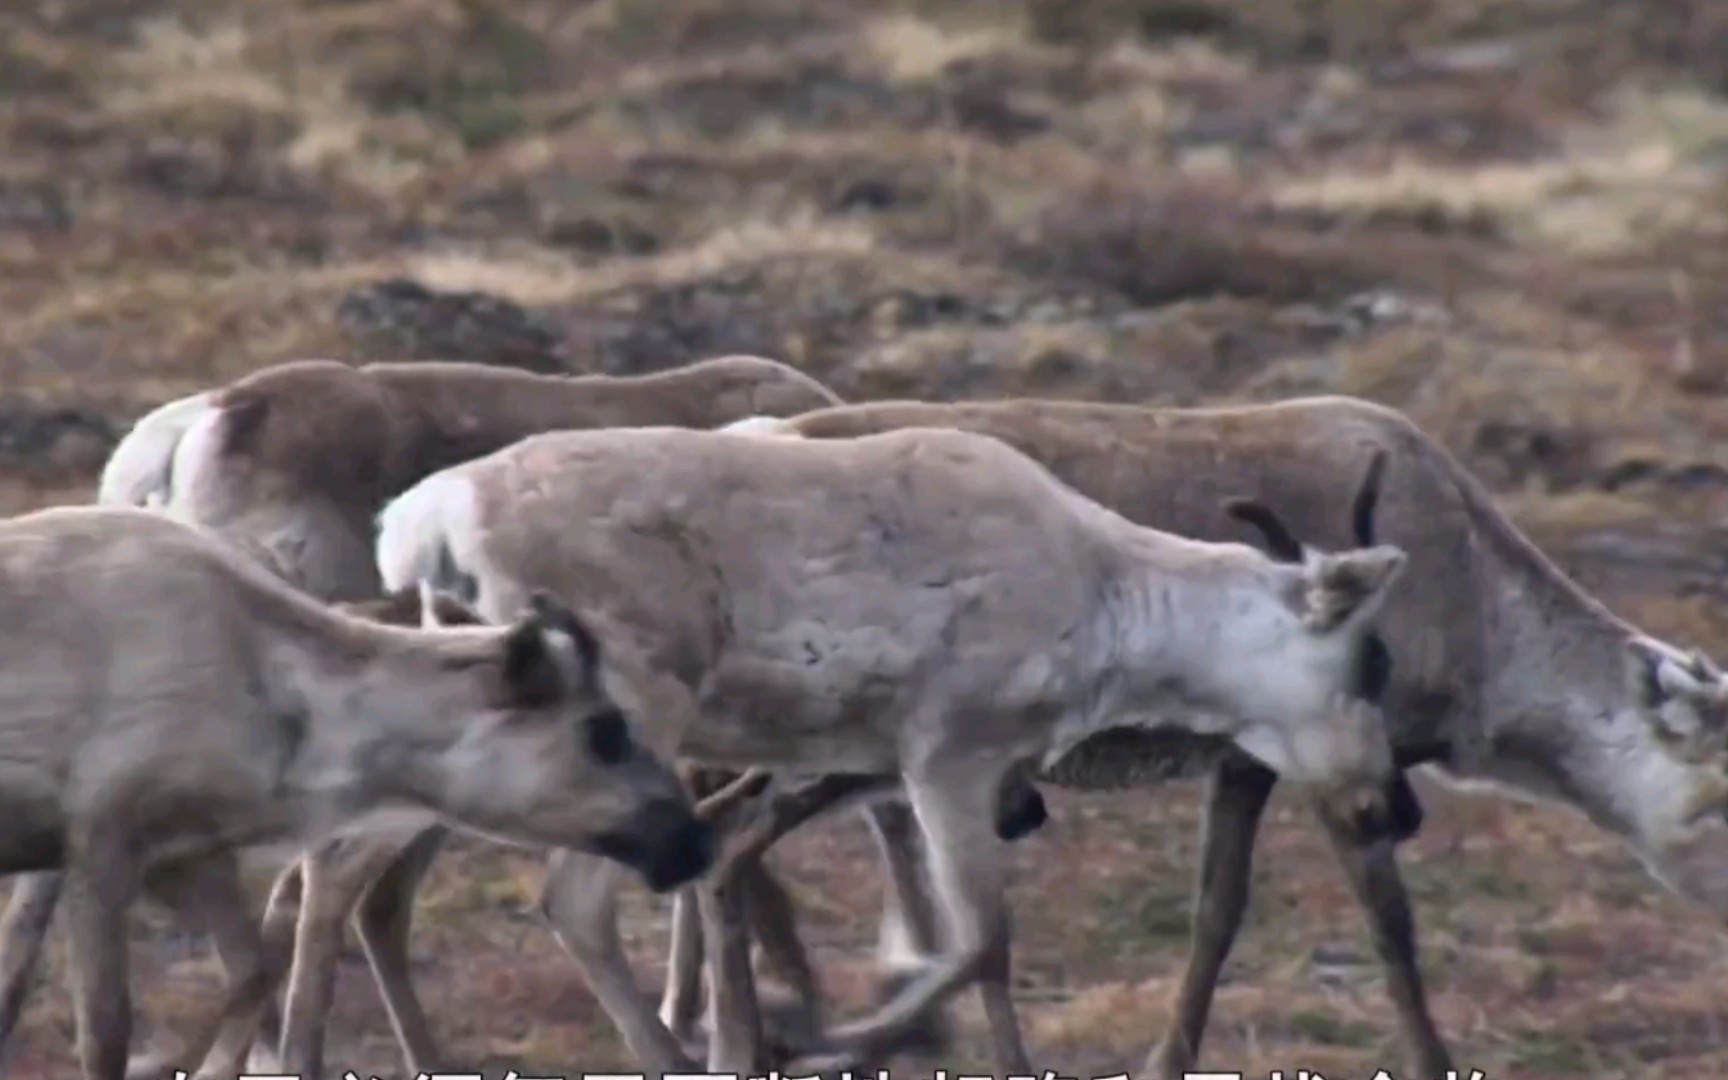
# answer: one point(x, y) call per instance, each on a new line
point(1683, 698)
point(1335, 596)
point(556, 759)
point(1336, 590)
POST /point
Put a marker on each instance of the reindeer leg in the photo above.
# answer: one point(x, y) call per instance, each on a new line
point(734, 1012)
point(580, 902)
point(681, 998)
point(312, 972)
point(23, 930)
point(954, 793)
point(100, 881)
point(773, 921)
point(1373, 869)
point(907, 937)
point(995, 990)
point(1238, 796)
point(766, 905)
point(333, 878)
point(250, 1009)
point(383, 921)
point(209, 894)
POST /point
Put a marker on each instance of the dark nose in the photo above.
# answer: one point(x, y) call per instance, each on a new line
point(683, 856)
point(675, 846)
point(664, 842)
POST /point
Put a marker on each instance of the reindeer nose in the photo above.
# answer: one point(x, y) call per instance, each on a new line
point(680, 848)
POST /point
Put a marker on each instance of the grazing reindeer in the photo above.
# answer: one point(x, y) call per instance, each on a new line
point(1504, 671)
point(291, 464)
point(929, 604)
point(266, 717)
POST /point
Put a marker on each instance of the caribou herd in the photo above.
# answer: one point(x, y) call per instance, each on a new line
point(653, 624)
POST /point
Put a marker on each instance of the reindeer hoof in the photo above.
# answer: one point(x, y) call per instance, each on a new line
point(832, 1063)
point(930, 1036)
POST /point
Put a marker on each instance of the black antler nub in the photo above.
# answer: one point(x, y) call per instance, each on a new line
point(1279, 541)
point(1367, 497)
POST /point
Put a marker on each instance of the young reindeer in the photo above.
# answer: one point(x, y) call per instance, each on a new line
point(291, 464)
point(1504, 671)
point(374, 878)
point(1111, 760)
point(267, 717)
point(926, 603)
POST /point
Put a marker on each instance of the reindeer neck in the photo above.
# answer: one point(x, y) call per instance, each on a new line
point(1168, 623)
point(1554, 668)
point(365, 708)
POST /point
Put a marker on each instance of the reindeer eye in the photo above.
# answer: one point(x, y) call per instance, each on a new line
point(608, 737)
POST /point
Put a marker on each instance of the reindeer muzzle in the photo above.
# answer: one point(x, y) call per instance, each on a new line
point(664, 842)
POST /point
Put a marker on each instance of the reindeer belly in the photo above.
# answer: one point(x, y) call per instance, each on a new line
point(1117, 759)
point(812, 699)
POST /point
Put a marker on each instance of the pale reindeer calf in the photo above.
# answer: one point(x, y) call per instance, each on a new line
point(923, 603)
point(162, 700)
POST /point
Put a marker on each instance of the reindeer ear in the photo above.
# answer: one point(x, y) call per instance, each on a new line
point(1339, 587)
point(1702, 667)
point(549, 654)
point(1676, 681)
point(1659, 673)
point(532, 677)
point(556, 615)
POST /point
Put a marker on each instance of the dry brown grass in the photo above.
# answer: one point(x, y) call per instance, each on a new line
point(1506, 218)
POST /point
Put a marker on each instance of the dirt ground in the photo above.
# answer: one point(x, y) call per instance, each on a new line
point(1507, 218)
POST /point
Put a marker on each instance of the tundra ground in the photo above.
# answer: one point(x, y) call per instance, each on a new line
point(1506, 218)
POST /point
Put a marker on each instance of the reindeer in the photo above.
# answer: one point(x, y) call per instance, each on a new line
point(266, 717)
point(291, 463)
point(1502, 671)
point(926, 604)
